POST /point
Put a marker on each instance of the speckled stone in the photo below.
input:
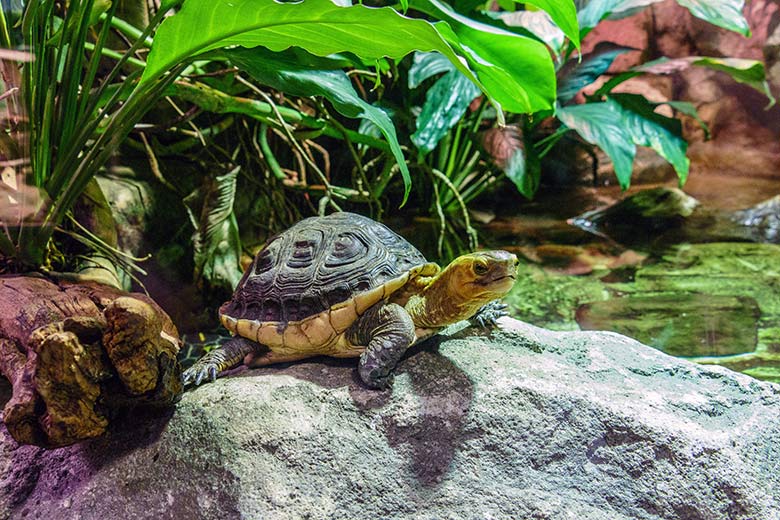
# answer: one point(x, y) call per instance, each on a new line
point(522, 424)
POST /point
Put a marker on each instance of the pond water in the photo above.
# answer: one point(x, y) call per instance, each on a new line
point(686, 293)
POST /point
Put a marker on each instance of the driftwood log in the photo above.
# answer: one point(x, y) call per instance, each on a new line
point(75, 353)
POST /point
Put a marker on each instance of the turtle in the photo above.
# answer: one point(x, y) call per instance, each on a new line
point(344, 285)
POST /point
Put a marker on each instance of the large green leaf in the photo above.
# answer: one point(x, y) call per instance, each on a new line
point(445, 103)
point(647, 128)
point(288, 74)
point(602, 124)
point(573, 76)
point(620, 123)
point(564, 14)
point(723, 13)
point(750, 72)
point(515, 70)
point(318, 26)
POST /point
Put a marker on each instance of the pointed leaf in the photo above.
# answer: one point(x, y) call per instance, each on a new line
point(647, 128)
point(595, 11)
point(602, 124)
point(445, 103)
point(501, 144)
point(507, 150)
point(290, 76)
point(319, 26)
point(723, 13)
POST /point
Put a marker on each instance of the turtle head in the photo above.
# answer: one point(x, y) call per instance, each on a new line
point(481, 277)
point(466, 284)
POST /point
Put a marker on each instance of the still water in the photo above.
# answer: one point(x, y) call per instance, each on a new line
point(691, 287)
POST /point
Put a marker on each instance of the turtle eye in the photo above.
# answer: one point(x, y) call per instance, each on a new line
point(480, 268)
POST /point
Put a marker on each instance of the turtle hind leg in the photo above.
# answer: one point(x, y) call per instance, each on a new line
point(388, 331)
point(226, 356)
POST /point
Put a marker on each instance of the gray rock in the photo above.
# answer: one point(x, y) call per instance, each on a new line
point(524, 424)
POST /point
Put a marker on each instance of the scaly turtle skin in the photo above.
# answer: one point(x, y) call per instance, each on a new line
point(346, 286)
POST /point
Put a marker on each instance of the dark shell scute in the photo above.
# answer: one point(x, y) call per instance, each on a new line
point(347, 247)
point(318, 263)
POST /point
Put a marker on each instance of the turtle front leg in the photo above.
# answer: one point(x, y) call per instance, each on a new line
point(487, 315)
point(227, 356)
point(387, 331)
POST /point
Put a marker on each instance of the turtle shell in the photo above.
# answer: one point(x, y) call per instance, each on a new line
point(317, 264)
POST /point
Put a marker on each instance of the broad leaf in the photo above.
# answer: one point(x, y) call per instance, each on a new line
point(516, 71)
point(564, 14)
point(647, 128)
point(622, 122)
point(505, 147)
point(574, 76)
point(216, 241)
point(318, 26)
point(723, 13)
point(750, 72)
point(426, 65)
point(288, 75)
point(602, 124)
point(445, 103)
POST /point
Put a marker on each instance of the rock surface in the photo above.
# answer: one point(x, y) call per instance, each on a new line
point(525, 424)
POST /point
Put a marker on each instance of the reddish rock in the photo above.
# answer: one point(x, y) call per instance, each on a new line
point(745, 136)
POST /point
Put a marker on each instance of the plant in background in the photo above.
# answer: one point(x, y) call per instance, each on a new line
point(446, 128)
point(617, 122)
point(77, 115)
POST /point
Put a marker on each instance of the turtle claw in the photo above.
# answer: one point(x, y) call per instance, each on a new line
point(197, 374)
point(379, 382)
point(487, 316)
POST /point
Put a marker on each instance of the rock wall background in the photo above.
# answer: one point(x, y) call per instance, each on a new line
point(745, 136)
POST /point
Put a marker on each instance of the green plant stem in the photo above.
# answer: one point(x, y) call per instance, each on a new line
point(212, 100)
point(128, 30)
point(464, 210)
point(454, 151)
point(5, 36)
point(384, 179)
point(482, 182)
point(548, 142)
point(115, 55)
point(268, 155)
point(355, 157)
point(444, 151)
